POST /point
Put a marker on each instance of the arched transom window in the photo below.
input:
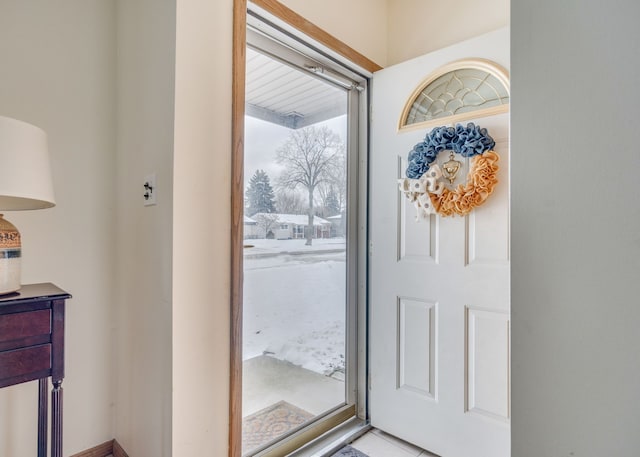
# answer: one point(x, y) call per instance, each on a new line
point(458, 91)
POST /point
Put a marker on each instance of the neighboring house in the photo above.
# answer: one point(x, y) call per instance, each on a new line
point(251, 229)
point(292, 226)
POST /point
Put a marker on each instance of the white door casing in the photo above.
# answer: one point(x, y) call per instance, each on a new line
point(439, 288)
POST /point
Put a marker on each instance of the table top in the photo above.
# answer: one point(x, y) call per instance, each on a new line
point(32, 292)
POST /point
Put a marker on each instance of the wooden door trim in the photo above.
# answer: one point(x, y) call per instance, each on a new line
point(313, 31)
point(237, 226)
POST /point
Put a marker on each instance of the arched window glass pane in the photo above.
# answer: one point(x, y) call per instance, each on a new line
point(456, 93)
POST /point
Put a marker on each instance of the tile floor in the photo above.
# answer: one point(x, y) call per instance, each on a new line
point(377, 443)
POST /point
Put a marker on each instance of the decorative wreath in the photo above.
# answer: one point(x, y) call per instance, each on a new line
point(424, 186)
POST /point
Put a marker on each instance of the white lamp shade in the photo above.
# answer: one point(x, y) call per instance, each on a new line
point(25, 170)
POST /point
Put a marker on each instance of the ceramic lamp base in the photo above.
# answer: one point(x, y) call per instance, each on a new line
point(10, 257)
point(9, 275)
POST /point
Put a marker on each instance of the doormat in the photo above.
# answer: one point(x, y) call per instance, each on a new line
point(348, 451)
point(270, 423)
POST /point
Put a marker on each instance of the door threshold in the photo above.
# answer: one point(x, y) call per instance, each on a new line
point(331, 441)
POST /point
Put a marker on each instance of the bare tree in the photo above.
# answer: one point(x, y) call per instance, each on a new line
point(289, 202)
point(339, 179)
point(266, 221)
point(309, 155)
point(335, 187)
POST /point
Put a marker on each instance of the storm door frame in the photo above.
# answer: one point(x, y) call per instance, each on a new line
point(294, 26)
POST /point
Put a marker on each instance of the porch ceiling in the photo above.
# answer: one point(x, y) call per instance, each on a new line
point(287, 96)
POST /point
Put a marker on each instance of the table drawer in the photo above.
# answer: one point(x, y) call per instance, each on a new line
point(21, 365)
point(24, 325)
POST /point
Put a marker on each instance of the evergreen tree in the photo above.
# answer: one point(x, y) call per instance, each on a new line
point(332, 204)
point(259, 194)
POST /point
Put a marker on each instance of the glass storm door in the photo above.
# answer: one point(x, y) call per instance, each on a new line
point(300, 248)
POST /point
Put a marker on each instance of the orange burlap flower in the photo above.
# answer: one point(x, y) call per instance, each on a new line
point(481, 181)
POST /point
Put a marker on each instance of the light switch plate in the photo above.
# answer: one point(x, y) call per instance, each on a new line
point(150, 190)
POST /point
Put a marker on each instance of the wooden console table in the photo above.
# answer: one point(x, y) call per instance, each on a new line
point(32, 347)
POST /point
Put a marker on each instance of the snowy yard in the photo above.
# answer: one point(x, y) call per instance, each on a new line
point(294, 302)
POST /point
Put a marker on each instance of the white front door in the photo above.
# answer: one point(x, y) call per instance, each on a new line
point(439, 288)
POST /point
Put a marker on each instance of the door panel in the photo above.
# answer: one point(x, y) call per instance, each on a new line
point(439, 288)
point(487, 363)
point(416, 345)
point(416, 242)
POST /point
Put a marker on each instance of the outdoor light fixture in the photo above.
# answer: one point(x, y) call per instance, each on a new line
point(25, 184)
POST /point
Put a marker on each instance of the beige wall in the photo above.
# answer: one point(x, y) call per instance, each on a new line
point(392, 31)
point(575, 287)
point(416, 27)
point(362, 24)
point(201, 224)
point(145, 117)
point(58, 72)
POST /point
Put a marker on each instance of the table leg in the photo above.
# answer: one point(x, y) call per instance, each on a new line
point(43, 413)
point(56, 419)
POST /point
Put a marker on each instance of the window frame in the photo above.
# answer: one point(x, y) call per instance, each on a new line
point(484, 65)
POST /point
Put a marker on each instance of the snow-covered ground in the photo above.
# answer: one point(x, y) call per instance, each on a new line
point(257, 247)
point(294, 302)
